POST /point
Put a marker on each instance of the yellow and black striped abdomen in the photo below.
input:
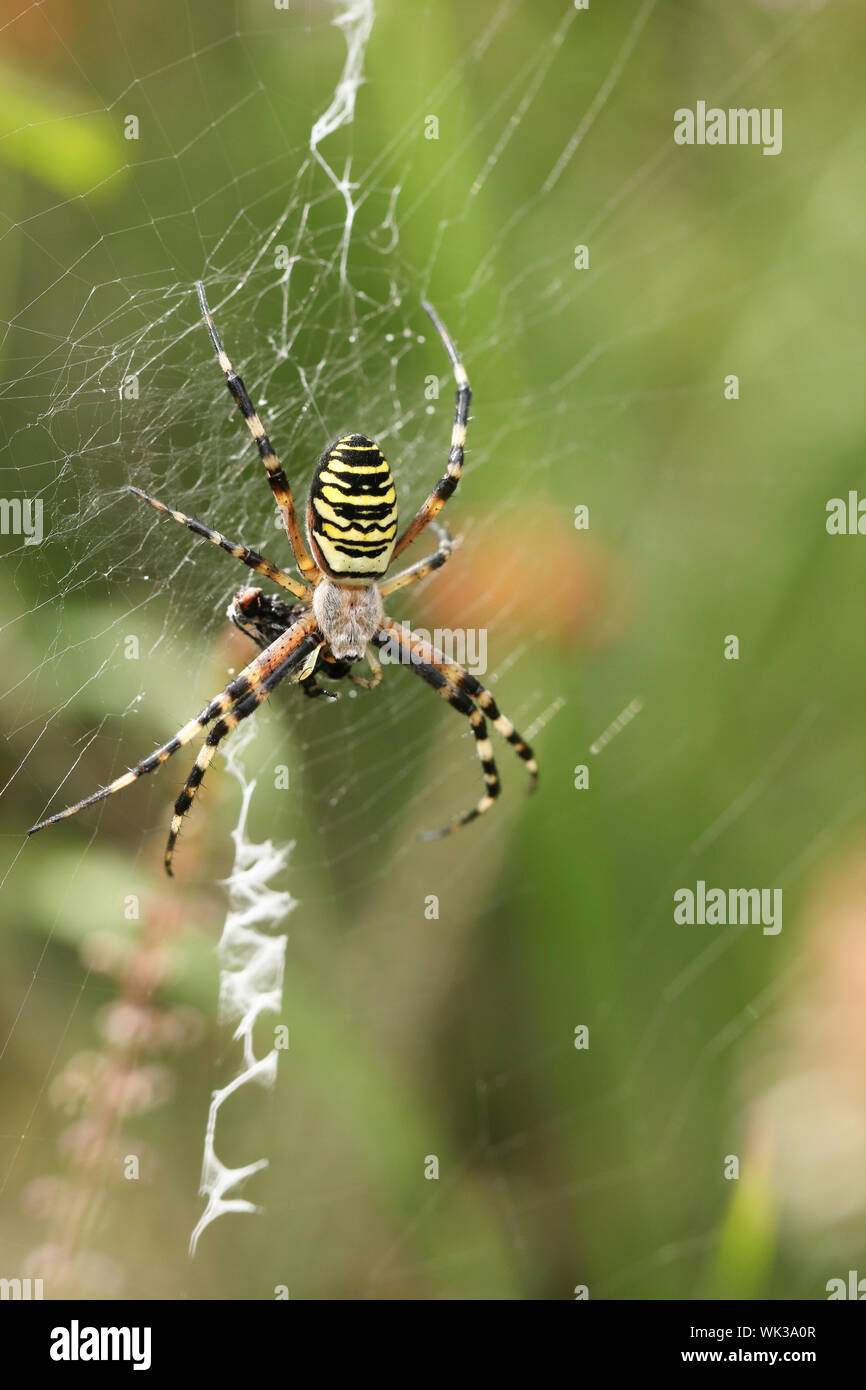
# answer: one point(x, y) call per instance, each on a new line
point(352, 511)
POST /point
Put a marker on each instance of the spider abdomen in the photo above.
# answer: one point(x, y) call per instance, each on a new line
point(352, 511)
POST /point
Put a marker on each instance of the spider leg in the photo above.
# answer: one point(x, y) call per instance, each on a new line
point(485, 701)
point(279, 483)
point(462, 680)
point(448, 482)
point(421, 568)
point(294, 665)
point(249, 679)
point(430, 672)
point(264, 617)
point(370, 682)
point(251, 558)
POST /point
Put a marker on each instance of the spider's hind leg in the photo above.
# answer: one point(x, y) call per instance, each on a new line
point(277, 479)
point(421, 568)
point(241, 552)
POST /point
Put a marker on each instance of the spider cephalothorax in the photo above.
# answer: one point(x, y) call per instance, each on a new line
point(338, 615)
point(348, 617)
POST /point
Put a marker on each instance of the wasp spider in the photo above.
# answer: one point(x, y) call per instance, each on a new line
point(337, 617)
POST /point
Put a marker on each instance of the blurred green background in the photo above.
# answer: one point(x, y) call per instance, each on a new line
point(454, 1035)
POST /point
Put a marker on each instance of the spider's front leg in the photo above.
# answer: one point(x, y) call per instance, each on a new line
point(375, 665)
point(293, 657)
point(469, 697)
point(300, 646)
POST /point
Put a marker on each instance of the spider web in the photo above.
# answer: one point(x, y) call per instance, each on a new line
point(323, 168)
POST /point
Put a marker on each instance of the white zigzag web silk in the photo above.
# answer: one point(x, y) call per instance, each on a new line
point(252, 960)
point(251, 956)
